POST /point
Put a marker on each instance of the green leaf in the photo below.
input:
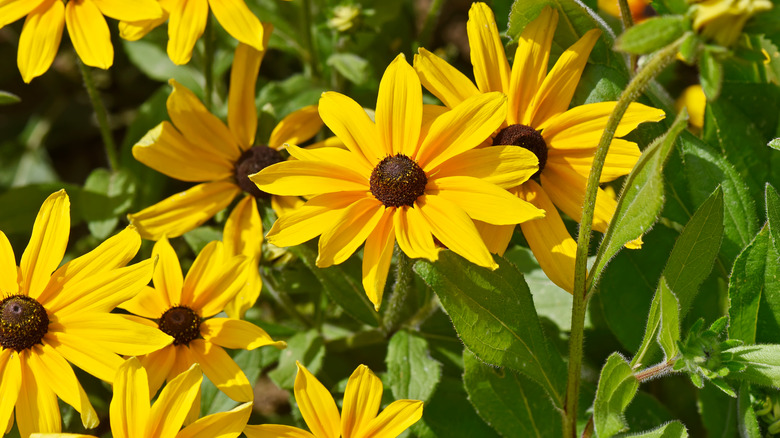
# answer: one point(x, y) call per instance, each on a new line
point(7, 98)
point(449, 414)
point(617, 387)
point(710, 75)
point(198, 238)
point(19, 206)
point(670, 6)
point(651, 34)
point(762, 364)
point(511, 403)
point(717, 412)
point(153, 61)
point(774, 144)
point(746, 416)
point(351, 66)
point(106, 196)
point(413, 374)
point(772, 201)
point(494, 315)
point(669, 333)
point(675, 429)
point(307, 348)
point(641, 199)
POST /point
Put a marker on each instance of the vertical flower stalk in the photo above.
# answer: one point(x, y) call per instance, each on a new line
point(102, 116)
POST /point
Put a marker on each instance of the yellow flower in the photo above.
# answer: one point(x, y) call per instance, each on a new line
point(131, 416)
point(185, 308)
point(87, 29)
point(50, 316)
point(359, 417)
point(694, 99)
point(539, 120)
point(723, 20)
point(406, 178)
point(187, 21)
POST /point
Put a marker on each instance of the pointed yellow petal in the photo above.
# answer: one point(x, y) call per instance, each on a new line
point(137, 11)
point(223, 372)
point(396, 418)
point(118, 333)
point(399, 108)
point(244, 230)
point(47, 243)
point(129, 407)
point(530, 65)
point(211, 298)
point(350, 123)
point(138, 29)
point(301, 178)
point(504, 166)
point(236, 18)
point(228, 424)
point(283, 205)
point(333, 155)
point(10, 384)
point(36, 408)
point(9, 272)
point(496, 237)
point(168, 412)
point(361, 402)
point(349, 232)
point(275, 431)
point(316, 404)
point(95, 359)
point(566, 189)
point(578, 127)
point(443, 80)
point(242, 113)
point(413, 234)
point(158, 365)
point(236, 334)
point(377, 255)
point(89, 33)
point(168, 279)
point(491, 69)
point(185, 25)
point(184, 211)
point(455, 229)
point(12, 10)
point(40, 39)
point(621, 158)
point(298, 127)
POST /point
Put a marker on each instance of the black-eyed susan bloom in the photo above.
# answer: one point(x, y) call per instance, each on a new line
point(53, 317)
point(358, 417)
point(86, 25)
point(539, 120)
point(131, 416)
point(185, 308)
point(405, 178)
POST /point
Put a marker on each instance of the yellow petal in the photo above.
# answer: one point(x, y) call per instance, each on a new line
point(137, 11)
point(95, 359)
point(207, 267)
point(9, 272)
point(10, 384)
point(275, 431)
point(236, 18)
point(89, 33)
point(212, 298)
point(333, 155)
point(165, 150)
point(413, 234)
point(185, 25)
point(443, 80)
point(174, 402)
point(184, 211)
point(182, 361)
point(620, 159)
point(40, 39)
point(244, 230)
point(298, 127)
point(555, 93)
point(455, 229)
point(228, 424)
point(138, 29)
point(349, 232)
point(47, 243)
point(223, 372)
point(12, 10)
point(395, 418)
point(504, 166)
point(167, 278)
point(496, 237)
point(548, 238)
point(491, 69)
point(361, 402)
point(286, 204)
point(117, 333)
point(566, 189)
point(461, 129)
point(129, 407)
point(399, 108)
point(581, 126)
point(158, 365)
point(350, 123)
point(483, 201)
point(242, 113)
point(36, 408)
point(530, 65)
point(301, 178)
point(377, 255)
point(236, 334)
point(316, 404)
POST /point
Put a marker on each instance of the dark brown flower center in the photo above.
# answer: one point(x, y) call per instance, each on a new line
point(252, 161)
point(526, 137)
point(23, 322)
point(182, 323)
point(397, 181)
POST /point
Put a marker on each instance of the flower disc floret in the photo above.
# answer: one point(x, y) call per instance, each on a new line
point(252, 161)
point(182, 323)
point(23, 322)
point(527, 138)
point(398, 181)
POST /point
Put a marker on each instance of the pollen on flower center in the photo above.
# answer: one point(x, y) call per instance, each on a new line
point(182, 323)
point(23, 322)
point(526, 137)
point(398, 180)
point(252, 161)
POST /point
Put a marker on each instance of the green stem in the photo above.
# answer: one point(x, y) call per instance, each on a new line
point(430, 22)
point(284, 301)
point(628, 21)
point(311, 56)
point(101, 114)
point(208, 62)
point(402, 289)
point(659, 60)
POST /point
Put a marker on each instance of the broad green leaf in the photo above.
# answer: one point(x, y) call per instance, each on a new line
point(746, 416)
point(645, 411)
point(772, 201)
point(641, 200)
point(19, 206)
point(669, 333)
point(106, 196)
point(675, 429)
point(153, 61)
point(710, 75)
point(307, 348)
point(651, 34)
point(762, 361)
point(774, 144)
point(413, 374)
point(198, 238)
point(651, 329)
point(617, 387)
point(718, 412)
point(449, 414)
point(513, 404)
point(351, 66)
point(494, 315)
point(7, 98)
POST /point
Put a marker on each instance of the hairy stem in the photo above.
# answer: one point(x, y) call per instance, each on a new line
point(101, 114)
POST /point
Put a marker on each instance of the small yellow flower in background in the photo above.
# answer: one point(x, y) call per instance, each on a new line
point(694, 99)
point(723, 20)
point(538, 119)
point(187, 21)
point(640, 9)
point(185, 308)
point(51, 316)
point(345, 18)
point(86, 25)
point(406, 178)
point(358, 417)
point(131, 416)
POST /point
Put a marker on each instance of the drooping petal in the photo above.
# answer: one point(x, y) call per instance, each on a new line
point(461, 129)
point(223, 372)
point(496, 237)
point(137, 11)
point(283, 205)
point(158, 365)
point(377, 255)
point(620, 159)
point(167, 278)
point(301, 178)
point(443, 80)
point(9, 272)
point(118, 333)
point(138, 29)
point(243, 235)
point(36, 408)
point(40, 38)
point(395, 418)
point(169, 411)
point(548, 238)
point(184, 211)
point(89, 33)
point(236, 334)
point(275, 431)
point(491, 69)
point(361, 402)
point(581, 126)
point(47, 244)
point(228, 424)
point(399, 108)
point(455, 229)
point(413, 234)
point(349, 232)
point(129, 409)
point(566, 189)
point(185, 25)
point(10, 384)
point(239, 21)
point(350, 123)
point(317, 406)
point(504, 166)
point(297, 127)
point(95, 359)
point(12, 10)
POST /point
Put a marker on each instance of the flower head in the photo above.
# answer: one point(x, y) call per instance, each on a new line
point(539, 120)
point(406, 178)
point(358, 417)
point(86, 25)
point(51, 316)
point(723, 20)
